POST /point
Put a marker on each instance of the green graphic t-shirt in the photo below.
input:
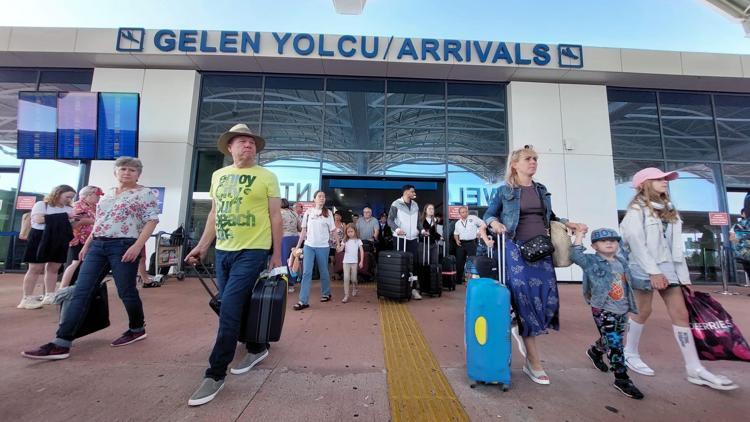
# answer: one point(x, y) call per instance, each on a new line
point(241, 196)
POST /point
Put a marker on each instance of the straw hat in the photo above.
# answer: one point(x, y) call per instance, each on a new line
point(240, 129)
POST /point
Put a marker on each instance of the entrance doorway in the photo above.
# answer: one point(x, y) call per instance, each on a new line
point(351, 194)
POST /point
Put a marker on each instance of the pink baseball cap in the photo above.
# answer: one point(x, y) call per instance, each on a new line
point(652, 173)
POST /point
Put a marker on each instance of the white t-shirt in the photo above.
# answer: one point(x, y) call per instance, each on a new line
point(318, 228)
point(43, 209)
point(468, 230)
point(351, 251)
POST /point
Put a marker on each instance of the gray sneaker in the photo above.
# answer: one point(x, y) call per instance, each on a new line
point(250, 360)
point(206, 392)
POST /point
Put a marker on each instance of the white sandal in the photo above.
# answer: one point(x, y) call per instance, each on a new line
point(636, 364)
point(539, 377)
point(718, 382)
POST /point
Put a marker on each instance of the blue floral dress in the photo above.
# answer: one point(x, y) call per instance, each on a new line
point(533, 289)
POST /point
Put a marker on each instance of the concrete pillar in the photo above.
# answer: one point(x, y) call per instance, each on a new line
point(568, 125)
point(169, 103)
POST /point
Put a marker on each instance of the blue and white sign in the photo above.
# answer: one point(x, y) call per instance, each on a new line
point(37, 125)
point(282, 44)
point(159, 191)
point(117, 133)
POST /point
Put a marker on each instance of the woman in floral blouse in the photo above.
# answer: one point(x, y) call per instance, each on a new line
point(125, 218)
point(84, 211)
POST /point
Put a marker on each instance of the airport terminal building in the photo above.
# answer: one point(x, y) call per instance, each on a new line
point(358, 116)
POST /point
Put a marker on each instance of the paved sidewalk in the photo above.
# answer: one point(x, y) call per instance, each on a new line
point(329, 366)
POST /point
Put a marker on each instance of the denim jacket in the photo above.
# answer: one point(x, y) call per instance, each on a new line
point(597, 277)
point(505, 206)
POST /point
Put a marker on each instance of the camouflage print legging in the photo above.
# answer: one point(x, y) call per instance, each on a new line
point(612, 329)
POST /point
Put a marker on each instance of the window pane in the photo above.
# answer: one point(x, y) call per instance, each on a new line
point(225, 101)
point(353, 163)
point(36, 175)
point(416, 116)
point(208, 163)
point(293, 113)
point(414, 165)
point(66, 80)
point(9, 103)
point(624, 171)
point(472, 179)
point(634, 124)
point(733, 121)
point(687, 122)
point(737, 175)
point(355, 111)
point(8, 186)
point(695, 194)
point(695, 189)
point(298, 172)
point(8, 156)
point(476, 118)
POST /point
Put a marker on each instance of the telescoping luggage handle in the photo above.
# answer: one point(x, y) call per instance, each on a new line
point(398, 247)
point(501, 257)
point(426, 249)
point(208, 274)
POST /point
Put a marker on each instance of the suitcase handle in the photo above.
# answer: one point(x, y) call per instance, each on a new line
point(426, 249)
point(501, 257)
point(398, 247)
point(202, 281)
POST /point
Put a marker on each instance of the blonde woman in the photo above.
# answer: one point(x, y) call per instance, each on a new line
point(652, 230)
point(47, 247)
point(522, 208)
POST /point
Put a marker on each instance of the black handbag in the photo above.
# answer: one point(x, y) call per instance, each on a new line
point(97, 316)
point(537, 248)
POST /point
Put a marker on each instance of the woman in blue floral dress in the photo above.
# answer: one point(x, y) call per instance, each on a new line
point(522, 208)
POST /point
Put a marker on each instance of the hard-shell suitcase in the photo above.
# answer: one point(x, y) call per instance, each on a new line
point(487, 327)
point(449, 272)
point(429, 277)
point(394, 273)
point(264, 315)
point(484, 266)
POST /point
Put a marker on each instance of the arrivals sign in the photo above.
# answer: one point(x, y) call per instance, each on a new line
point(281, 44)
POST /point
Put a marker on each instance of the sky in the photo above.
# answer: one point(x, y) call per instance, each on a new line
point(679, 25)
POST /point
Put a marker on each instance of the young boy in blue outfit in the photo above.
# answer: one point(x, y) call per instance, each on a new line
point(607, 289)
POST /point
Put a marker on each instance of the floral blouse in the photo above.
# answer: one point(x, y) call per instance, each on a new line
point(289, 222)
point(124, 215)
point(82, 232)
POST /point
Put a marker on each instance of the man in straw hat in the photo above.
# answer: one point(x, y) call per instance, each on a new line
point(245, 219)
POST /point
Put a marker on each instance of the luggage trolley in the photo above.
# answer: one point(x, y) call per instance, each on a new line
point(168, 254)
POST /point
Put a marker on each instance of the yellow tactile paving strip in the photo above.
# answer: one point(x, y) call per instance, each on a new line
point(417, 388)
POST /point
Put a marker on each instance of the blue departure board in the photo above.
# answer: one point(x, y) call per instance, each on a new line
point(117, 133)
point(76, 125)
point(37, 124)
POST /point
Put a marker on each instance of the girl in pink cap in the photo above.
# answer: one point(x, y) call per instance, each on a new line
point(652, 230)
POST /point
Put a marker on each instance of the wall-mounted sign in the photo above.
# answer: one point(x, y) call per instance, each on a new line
point(37, 124)
point(279, 44)
point(159, 191)
point(117, 133)
point(25, 202)
point(718, 218)
point(76, 125)
point(453, 212)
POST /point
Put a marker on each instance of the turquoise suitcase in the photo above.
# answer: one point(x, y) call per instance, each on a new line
point(487, 327)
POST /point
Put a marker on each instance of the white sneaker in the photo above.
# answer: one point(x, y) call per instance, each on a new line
point(30, 302)
point(355, 291)
point(48, 299)
point(415, 294)
point(635, 363)
point(290, 289)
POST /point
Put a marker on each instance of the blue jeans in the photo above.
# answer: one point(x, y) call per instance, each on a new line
point(236, 273)
point(103, 253)
point(312, 256)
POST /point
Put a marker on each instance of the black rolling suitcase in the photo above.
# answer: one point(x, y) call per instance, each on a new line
point(394, 272)
point(483, 266)
point(264, 315)
point(449, 272)
point(429, 273)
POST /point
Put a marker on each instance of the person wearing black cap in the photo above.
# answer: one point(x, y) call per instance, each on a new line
point(606, 288)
